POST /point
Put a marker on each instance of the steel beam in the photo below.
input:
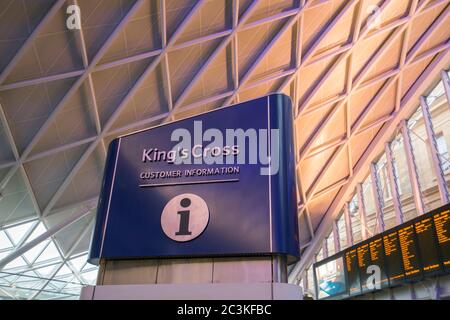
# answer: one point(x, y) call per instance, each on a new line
point(84, 55)
point(234, 47)
point(362, 211)
point(165, 59)
point(336, 238)
point(348, 225)
point(377, 197)
point(446, 83)
point(412, 168)
point(435, 156)
point(325, 249)
point(392, 176)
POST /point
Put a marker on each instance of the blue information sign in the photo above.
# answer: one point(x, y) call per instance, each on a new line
point(202, 187)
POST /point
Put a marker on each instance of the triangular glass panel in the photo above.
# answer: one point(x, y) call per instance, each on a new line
point(79, 262)
point(16, 233)
point(18, 262)
point(90, 276)
point(34, 252)
point(39, 230)
point(64, 271)
point(4, 241)
point(50, 253)
point(46, 271)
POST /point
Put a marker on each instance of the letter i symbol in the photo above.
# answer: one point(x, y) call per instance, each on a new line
point(184, 218)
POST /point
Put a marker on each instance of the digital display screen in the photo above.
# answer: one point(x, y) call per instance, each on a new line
point(377, 259)
point(442, 224)
point(415, 249)
point(330, 278)
point(363, 264)
point(393, 258)
point(411, 263)
point(351, 262)
point(427, 243)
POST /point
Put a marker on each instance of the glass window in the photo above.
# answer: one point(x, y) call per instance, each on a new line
point(39, 230)
point(319, 256)
point(386, 201)
point(64, 271)
point(16, 263)
point(355, 219)
point(369, 204)
point(383, 178)
point(310, 280)
point(50, 253)
point(55, 285)
point(435, 94)
point(301, 284)
point(34, 252)
point(342, 231)
point(16, 233)
point(47, 271)
point(79, 262)
point(4, 241)
point(402, 178)
point(440, 118)
point(73, 288)
point(421, 151)
point(443, 152)
point(90, 277)
point(399, 186)
point(330, 244)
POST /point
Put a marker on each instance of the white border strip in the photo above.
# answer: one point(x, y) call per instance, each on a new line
point(186, 183)
point(270, 170)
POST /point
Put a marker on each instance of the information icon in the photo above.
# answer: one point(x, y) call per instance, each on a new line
point(185, 217)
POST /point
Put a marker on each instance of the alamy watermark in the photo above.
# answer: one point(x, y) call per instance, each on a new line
point(235, 146)
point(73, 21)
point(374, 17)
point(373, 282)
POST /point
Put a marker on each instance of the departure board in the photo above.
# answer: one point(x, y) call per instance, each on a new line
point(411, 263)
point(353, 279)
point(415, 249)
point(393, 258)
point(442, 223)
point(363, 263)
point(377, 258)
point(427, 243)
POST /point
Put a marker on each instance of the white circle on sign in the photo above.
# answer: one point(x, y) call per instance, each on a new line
point(185, 217)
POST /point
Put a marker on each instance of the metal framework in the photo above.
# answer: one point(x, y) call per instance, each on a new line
point(411, 291)
point(376, 192)
point(352, 78)
point(393, 178)
point(436, 159)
